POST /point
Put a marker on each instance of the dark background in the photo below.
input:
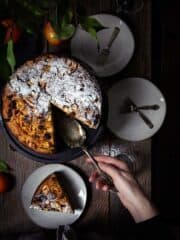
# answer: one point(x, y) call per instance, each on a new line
point(166, 144)
point(166, 75)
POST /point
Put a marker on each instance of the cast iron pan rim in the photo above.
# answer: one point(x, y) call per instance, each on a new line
point(64, 156)
point(68, 154)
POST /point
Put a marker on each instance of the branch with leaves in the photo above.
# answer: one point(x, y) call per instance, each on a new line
point(59, 19)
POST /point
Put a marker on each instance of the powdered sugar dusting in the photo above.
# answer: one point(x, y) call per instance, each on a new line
point(62, 82)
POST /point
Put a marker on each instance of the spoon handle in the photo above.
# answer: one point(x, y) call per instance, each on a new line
point(108, 180)
point(149, 107)
point(145, 119)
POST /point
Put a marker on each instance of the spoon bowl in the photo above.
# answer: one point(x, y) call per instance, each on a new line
point(74, 136)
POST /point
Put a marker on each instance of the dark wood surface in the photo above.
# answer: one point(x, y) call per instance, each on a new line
point(166, 65)
point(103, 209)
point(165, 145)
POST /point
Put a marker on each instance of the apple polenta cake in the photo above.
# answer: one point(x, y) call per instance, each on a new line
point(51, 196)
point(38, 85)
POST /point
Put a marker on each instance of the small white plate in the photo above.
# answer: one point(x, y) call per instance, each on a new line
point(130, 126)
point(76, 189)
point(84, 47)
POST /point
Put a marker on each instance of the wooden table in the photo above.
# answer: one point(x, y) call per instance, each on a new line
point(103, 209)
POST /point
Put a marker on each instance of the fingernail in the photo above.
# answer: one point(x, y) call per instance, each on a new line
point(97, 187)
point(90, 179)
point(105, 188)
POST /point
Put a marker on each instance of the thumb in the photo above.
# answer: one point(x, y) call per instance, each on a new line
point(110, 170)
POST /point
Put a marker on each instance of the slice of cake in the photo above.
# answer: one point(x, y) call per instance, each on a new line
point(51, 196)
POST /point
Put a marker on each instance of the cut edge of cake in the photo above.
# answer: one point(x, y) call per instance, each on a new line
point(51, 195)
point(37, 133)
point(26, 132)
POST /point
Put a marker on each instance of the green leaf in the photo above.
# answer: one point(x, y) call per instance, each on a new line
point(92, 32)
point(66, 31)
point(67, 18)
point(63, 28)
point(89, 22)
point(3, 166)
point(91, 25)
point(10, 55)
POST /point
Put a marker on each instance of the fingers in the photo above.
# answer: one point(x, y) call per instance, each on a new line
point(116, 169)
point(110, 170)
point(113, 161)
point(105, 188)
point(99, 182)
point(93, 176)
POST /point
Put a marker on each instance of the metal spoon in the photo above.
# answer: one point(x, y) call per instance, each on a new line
point(74, 136)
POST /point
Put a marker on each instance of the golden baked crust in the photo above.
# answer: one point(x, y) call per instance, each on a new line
point(51, 196)
point(34, 132)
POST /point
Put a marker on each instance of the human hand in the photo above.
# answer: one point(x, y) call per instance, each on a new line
point(129, 191)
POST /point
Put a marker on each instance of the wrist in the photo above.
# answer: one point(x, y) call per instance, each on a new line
point(142, 210)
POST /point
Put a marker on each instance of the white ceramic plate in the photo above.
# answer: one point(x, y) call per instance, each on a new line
point(76, 189)
point(129, 126)
point(84, 47)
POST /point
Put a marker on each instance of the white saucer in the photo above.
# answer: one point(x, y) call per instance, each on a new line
point(77, 191)
point(129, 126)
point(84, 47)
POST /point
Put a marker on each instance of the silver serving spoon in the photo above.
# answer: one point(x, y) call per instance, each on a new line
point(74, 136)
